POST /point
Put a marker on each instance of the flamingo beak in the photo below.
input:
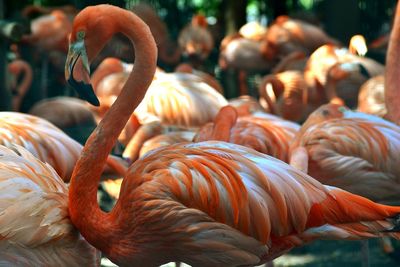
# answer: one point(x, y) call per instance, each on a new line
point(77, 72)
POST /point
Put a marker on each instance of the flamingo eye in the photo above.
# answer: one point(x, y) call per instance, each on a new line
point(325, 112)
point(80, 35)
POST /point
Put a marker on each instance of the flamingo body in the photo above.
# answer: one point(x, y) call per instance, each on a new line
point(353, 151)
point(35, 226)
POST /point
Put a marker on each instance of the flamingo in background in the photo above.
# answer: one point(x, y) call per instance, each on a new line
point(327, 56)
point(195, 40)
point(287, 35)
point(263, 132)
point(50, 32)
point(208, 203)
point(285, 94)
point(180, 99)
point(35, 226)
point(48, 143)
point(168, 50)
point(17, 67)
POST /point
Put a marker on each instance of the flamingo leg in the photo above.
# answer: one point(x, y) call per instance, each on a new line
point(365, 253)
point(243, 90)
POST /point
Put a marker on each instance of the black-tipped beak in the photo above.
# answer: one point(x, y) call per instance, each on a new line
point(77, 63)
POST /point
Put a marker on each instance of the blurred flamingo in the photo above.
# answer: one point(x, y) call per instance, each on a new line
point(206, 204)
point(168, 51)
point(327, 56)
point(17, 67)
point(35, 227)
point(243, 55)
point(196, 41)
point(285, 94)
point(287, 35)
point(50, 32)
point(371, 98)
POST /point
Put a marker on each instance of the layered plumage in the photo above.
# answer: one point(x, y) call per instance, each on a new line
point(46, 142)
point(261, 131)
point(206, 204)
point(181, 99)
point(35, 226)
point(353, 151)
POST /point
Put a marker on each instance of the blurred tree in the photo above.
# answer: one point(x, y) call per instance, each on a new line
point(235, 14)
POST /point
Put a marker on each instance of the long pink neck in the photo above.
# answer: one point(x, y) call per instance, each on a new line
point(392, 76)
point(25, 84)
point(97, 227)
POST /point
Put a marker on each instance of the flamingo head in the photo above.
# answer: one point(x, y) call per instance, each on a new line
point(89, 34)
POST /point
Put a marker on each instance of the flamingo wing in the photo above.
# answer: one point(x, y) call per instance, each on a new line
point(35, 226)
point(238, 206)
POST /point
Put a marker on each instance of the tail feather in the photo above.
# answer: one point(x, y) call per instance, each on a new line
point(341, 207)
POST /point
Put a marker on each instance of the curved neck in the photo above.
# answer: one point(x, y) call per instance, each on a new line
point(96, 226)
point(392, 75)
point(144, 133)
point(169, 56)
point(223, 123)
point(24, 86)
point(265, 92)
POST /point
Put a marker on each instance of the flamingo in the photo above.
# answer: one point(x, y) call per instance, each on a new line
point(263, 132)
point(180, 99)
point(17, 67)
point(205, 204)
point(285, 94)
point(195, 39)
point(287, 35)
point(35, 227)
point(50, 31)
point(244, 55)
point(47, 143)
point(353, 151)
point(326, 56)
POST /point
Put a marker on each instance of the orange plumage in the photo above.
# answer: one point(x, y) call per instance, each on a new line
point(206, 204)
point(35, 226)
point(353, 151)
